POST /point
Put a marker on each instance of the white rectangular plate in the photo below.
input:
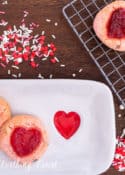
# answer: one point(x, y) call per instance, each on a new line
point(90, 151)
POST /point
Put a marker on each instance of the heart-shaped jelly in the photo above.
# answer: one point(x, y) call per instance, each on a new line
point(67, 123)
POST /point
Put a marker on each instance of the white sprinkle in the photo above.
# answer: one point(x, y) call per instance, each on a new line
point(15, 67)
point(48, 20)
point(121, 107)
point(74, 75)
point(122, 169)
point(3, 23)
point(80, 70)
point(44, 59)
point(19, 75)
point(53, 36)
point(5, 2)
point(19, 60)
point(51, 76)
point(43, 32)
point(26, 13)
point(40, 76)
point(9, 72)
point(62, 65)
point(32, 59)
point(119, 115)
point(123, 133)
point(13, 75)
point(56, 24)
point(56, 59)
point(36, 36)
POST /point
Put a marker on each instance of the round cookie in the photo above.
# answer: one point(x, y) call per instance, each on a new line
point(5, 112)
point(109, 25)
point(23, 138)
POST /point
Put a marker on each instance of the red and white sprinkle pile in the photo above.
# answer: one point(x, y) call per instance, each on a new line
point(19, 44)
point(119, 159)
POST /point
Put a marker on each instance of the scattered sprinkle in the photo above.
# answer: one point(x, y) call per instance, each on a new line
point(40, 76)
point(19, 45)
point(43, 33)
point(5, 2)
point(2, 65)
point(2, 12)
point(9, 72)
point(13, 75)
point(62, 65)
point(44, 59)
point(53, 36)
point(51, 76)
point(119, 158)
point(119, 115)
point(15, 67)
point(121, 107)
point(48, 20)
point(53, 60)
point(57, 60)
point(80, 70)
point(26, 13)
point(3, 23)
point(74, 75)
point(19, 75)
point(56, 23)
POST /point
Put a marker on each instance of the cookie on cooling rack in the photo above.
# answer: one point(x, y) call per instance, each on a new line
point(109, 25)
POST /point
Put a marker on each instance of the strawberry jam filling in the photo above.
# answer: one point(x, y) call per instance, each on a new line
point(116, 24)
point(25, 141)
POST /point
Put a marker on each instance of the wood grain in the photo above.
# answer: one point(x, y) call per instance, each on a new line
point(70, 51)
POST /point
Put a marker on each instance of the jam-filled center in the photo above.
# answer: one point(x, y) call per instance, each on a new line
point(116, 24)
point(25, 141)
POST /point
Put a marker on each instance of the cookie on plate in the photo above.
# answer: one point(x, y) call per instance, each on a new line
point(23, 138)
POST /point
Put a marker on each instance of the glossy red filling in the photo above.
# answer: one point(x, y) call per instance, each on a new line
point(25, 141)
point(116, 24)
point(67, 123)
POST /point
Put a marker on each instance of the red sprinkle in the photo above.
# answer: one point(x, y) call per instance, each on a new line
point(53, 60)
point(119, 158)
point(18, 45)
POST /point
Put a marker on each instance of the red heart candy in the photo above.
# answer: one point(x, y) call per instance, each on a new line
point(25, 141)
point(67, 123)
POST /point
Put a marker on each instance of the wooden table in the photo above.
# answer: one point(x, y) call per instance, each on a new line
point(69, 50)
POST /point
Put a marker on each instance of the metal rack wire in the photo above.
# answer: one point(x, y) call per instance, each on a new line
point(80, 15)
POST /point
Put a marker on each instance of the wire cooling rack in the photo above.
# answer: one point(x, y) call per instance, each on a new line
point(80, 15)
